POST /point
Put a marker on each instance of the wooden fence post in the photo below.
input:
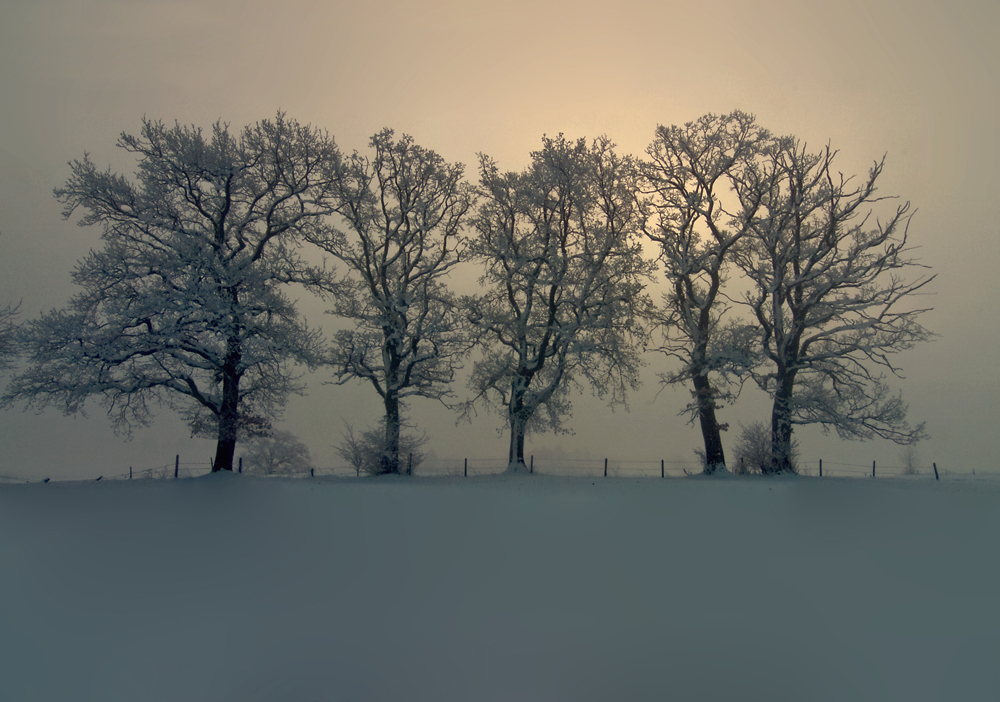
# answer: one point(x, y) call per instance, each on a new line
point(130, 472)
point(466, 467)
point(177, 465)
point(663, 473)
point(935, 471)
point(409, 465)
point(821, 467)
point(312, 472)
point(873, 469)
point(531, 468)
point(241, 465)
point(605, 467)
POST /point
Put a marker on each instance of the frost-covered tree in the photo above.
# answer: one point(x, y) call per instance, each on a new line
point(831, 295)
point(689, 177)
point(278, 453)
point(400, 214)
point(183, 305)
point(563, 284)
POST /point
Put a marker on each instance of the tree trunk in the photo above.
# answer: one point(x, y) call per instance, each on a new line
point(390, 451)
point(781, 426)
point(715, 457)
point(229, 417)
point(225, 450)
point(515, 457)
point(518, 418)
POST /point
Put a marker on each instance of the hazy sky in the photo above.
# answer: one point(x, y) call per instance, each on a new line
point(911, 78)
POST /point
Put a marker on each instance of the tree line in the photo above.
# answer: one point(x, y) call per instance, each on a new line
point(777, 272)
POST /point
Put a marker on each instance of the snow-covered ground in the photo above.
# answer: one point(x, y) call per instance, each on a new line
point(535, 588)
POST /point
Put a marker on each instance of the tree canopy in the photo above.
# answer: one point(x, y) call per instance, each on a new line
point(398, 230)
point(184, 303)
point(831, 295)
point(690, 176)
point(563, 284)
point(777, 269)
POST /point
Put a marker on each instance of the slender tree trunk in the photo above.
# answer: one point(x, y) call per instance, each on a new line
point(715, 457)
point(390, 453)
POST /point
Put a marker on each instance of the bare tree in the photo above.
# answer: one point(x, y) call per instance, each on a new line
point(184, 305)
point(563, 284)
point(402, 210)
point(690, 176)
point(830, 296)
point(279, 453)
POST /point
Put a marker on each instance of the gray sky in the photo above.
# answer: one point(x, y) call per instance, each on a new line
point(911, 78)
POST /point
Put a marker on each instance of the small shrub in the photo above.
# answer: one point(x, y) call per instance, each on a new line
point(364, 451)
point(752, 452)
point(908, 458)
point(280, 453)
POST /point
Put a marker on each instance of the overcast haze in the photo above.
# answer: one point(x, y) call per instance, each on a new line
point(915, 80)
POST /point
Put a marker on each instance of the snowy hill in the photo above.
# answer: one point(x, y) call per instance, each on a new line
point(533, 588)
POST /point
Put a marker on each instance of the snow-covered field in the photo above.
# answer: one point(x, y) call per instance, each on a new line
point(535, 588)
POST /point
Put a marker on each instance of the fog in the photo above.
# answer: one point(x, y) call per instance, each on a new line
point(914, 80)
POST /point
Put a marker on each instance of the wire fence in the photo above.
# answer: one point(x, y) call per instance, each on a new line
point(878, 470)
point(578, 467)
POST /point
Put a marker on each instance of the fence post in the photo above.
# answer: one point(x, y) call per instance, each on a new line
point(663, 473)
point(241, 465)
point(466, 468)
point(821, 467)
point(873, 469)
point(409, 465)
point(312, 472)
point(130, 472)
point(935, 471)
point(177, 465)
point(531, 468)
point(605, 467)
